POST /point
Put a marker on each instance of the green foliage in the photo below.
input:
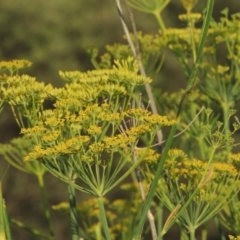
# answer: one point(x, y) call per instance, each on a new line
point(98, 133)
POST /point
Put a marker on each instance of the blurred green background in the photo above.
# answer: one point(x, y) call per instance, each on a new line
point(53, 35)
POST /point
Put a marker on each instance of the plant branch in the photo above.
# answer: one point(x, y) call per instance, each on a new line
point(138, 58)
point(73, 212)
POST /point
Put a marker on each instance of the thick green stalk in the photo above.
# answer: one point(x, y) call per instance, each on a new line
point(103, 218)
point(160, 221)
point(204, 233)
point(73, 212)
point(2, 216)
point(219, 228)
point(5, 233)
point(6, 224)
point(153, 187)
point(45, 204)
point(192, 233)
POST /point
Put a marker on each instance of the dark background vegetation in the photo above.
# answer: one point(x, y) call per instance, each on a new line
point(53, 35)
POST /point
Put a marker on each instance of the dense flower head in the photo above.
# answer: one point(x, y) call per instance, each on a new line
point(119, 51)
point(24, 90)
point(74, 96)
point(210, 185)
point(15, 151)
point(152, 120)
point(181, 39)
point(148, 155)
point(123, 73)
point(192, 17)
point(14, 65)
point(188, 172)
point(234, 159)
point(90, 122)
point(113, 85)
point(65, 139)
point(150, 48)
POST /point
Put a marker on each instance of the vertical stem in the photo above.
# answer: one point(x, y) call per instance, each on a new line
point(183, 234)
point(6, 223)
point(202, 147)
point(160, 21)
point(192, 233)
point(225, 108)
point(45, 204)
point(153, 186)
point(2, 215)
point(73, 212)
point(220, 230)
point(160, 221)
point(5, 232)
point(137, 55)
point(143, 195)
point(204, 233)
point(103, 218)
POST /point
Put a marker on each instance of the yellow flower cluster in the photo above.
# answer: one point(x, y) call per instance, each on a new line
point(119, 142)
point(89, 122)
point(94, 130)
point(123, 73)
point(234, 238)
point(193, 170)
point(138, 113)
point(24, 90)
point(148, 155)
point(51, 137)
point(187, 173)
point(188, 4)
point(192, 17)
point(150, 46)
point(149, 119)
point(67, 147)
point(234, 159)
point(14, 65)
point(180, 40)
point(60, 132)
point(119, 51)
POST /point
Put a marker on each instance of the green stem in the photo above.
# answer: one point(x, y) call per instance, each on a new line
point(183, 233)
point(202, 147)
point(45, 204)
point(2, 215)
point(225, 108)
point(219, 227)
point(33, 231)
point(204, 232)
point(5, 232)
point(153, 187)
point(160, 221)
point(160, 21)
point(103, 218)
point(192, 233)
point(6, 224)
point(73, 212)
